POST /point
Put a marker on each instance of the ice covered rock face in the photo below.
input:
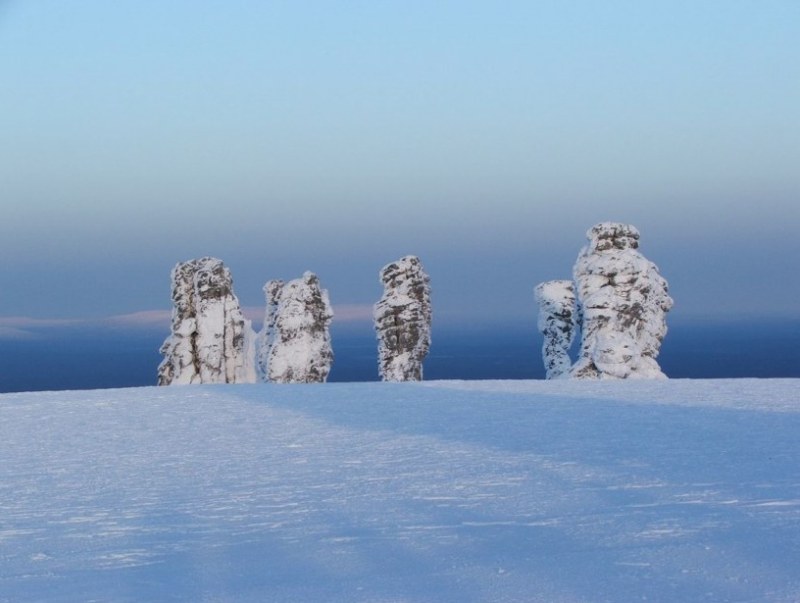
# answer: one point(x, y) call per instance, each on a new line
point(623, 301)
point(295, 344)
point(211, 341)
point(403, 320)
point(272, 293)
point(558, 323)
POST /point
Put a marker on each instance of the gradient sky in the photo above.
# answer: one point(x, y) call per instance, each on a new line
point(485, 137)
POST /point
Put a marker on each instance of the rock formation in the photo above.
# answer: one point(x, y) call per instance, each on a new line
point(295, 344)
point(403, 320)
point(558, 323)
point(623, 303)
point(211, 341)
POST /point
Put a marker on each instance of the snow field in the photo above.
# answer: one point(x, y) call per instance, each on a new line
point(561, 491)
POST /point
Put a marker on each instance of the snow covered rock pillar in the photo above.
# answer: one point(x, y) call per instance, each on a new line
point(623, 301)
point(558, 323)
point(211, 341)
point(272, 293)
point(295, 344)
point(403, 320)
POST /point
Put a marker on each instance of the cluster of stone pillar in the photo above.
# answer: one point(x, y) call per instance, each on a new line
point(615, 306)
point(212, 342)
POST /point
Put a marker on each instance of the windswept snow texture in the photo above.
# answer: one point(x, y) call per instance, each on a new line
point(211, 340)
point(295, 341)
point(535, 491)
point(623, 302)
point(403, 320)
point(558, 323)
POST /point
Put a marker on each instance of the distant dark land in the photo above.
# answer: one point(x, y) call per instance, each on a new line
point(71, 358)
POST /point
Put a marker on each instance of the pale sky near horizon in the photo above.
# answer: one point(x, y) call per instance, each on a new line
point(485, 137)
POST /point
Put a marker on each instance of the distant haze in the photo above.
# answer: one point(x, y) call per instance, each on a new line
point(484, 137)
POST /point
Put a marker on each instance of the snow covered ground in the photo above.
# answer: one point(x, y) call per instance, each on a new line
point(438, 491)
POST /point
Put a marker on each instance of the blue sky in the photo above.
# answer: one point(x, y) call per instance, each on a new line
point(485, 137)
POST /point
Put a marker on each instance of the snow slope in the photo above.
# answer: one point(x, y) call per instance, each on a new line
point(437, 491)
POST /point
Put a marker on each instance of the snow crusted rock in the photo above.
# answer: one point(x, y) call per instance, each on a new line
point(623, 302)
point(403, 320)
point(295, 344)
point(272, 293)
point(558, 322)
point(211, 341)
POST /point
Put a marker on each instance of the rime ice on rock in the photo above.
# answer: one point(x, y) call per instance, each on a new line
point(558, 323)
point(272, 293)
point(623, 301)
point(403, 320)
point(211, 341)
point(295, 345)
